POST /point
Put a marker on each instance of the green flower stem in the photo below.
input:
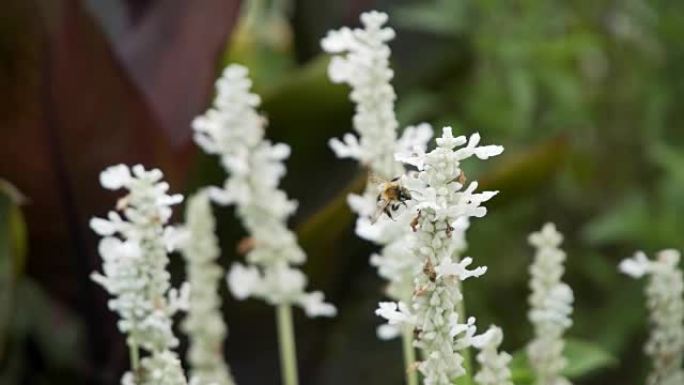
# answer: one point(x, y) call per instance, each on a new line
point(134, 355)
point(409, 357)
point(288, 354)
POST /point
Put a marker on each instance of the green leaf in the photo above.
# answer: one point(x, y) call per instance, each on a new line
point(56, 330)
point(583, 358)
point(527, 171)
point(321, 230)
point(262, 41)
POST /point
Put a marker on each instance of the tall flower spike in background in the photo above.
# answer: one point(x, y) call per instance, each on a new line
point(134, 253)
point(204, 324)
point(666, 306)
point(441, 202)
point(234, 130)
point(551, 307)
point(361, 60)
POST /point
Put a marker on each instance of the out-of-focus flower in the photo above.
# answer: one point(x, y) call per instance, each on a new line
point(361, 60)
point(134, 253)
point(204, 323)
point(234, 130)
point(666, 306)
point(163, 368)
point(493, 364)
point(551, 306)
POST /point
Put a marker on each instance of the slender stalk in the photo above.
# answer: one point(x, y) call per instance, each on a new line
point(409, 357)
point(134, 355)
point(288, 354)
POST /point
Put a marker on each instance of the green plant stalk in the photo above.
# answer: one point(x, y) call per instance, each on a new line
point(288, 351)
point(134, 355)
point(409, 357)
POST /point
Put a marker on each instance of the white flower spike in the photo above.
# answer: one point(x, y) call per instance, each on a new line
point(443, 204)
point(493, 364)
point(360, 58)
point(666, 306)
point(551, 307)
point(204, 323)
point(134, 253)
point(234, 130)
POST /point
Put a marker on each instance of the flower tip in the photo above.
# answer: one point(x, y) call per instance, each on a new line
point(634, 267)
point(374, 19)
point(115, 177)
point(102, 226)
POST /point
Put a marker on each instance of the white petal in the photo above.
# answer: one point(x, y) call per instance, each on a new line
point(115, 177)
point(103, 226)
point(243, 281)
point(314, 306)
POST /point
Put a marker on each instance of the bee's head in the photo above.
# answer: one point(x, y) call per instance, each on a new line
point(404, 194)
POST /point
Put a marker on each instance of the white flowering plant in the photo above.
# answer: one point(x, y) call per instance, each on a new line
point(204, 323)
point(664, 291)
point(134, 247)
point(435, 310)
point(420, 231)
point(234, 130)
point(550, 307)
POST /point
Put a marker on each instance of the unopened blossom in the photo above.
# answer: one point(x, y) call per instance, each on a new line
point(204, 323)
point(360, 58)
point(234, 130)
point(494, 368)
point(550, 307)
point(134, 248)
point(441, 202)
point(666, 307)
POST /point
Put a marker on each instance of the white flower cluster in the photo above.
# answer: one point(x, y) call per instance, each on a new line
point(134, 253)
point(234, 130)
point(551, 307)
point(493, 364)
point(664, 293)
point(441, 202)
point(361, 60)
point(204, 322)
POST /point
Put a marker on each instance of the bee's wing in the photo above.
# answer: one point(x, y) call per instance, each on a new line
point(382, 205)
point(375, 179)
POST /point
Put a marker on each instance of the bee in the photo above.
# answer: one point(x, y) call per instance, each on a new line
point(392, 194)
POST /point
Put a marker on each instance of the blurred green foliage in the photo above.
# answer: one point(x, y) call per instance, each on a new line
point(29, 318)
point(584, 97)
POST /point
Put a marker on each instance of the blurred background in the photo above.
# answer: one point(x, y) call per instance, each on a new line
point(584, 96)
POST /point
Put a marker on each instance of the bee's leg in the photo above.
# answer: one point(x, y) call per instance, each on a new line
point(404, 203)
point(379, 198)
point(395, 206)
point(388, 212)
